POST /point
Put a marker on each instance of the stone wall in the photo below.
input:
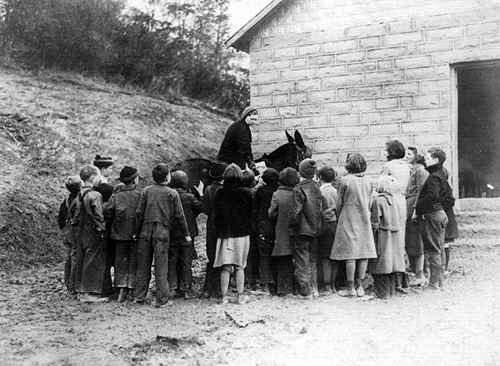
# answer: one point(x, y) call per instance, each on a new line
point(350, 76)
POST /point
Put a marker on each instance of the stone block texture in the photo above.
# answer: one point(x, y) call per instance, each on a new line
point(352, 75)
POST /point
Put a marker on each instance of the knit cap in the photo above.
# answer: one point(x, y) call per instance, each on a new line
point(307, 168)
point(128, 174)
point(247, 111)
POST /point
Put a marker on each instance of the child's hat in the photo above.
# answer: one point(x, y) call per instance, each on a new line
point(74, 183)
point(102, 161)
point(307, 168)
point(247, 111)
point(217, 170)
point(128, 174)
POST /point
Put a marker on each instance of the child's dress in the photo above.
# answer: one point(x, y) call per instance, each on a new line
point(354, 236)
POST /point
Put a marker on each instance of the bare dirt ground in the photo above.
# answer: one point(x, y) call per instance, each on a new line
point(50, 125)
point(457, 326)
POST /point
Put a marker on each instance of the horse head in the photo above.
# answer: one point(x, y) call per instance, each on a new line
point(289, 154)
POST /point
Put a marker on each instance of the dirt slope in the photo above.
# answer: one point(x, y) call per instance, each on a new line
point(52, 125)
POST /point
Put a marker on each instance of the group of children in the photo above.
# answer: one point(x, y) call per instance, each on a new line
point(282, 233)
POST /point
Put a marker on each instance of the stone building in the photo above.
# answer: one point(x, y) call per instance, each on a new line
point(351, 75)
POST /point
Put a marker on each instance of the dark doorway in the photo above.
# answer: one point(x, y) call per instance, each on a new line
point(479, 131)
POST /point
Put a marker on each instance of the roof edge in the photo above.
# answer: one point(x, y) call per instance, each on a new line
point(241, 39)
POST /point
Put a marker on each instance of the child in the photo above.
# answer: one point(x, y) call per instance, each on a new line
point(91, 242)
point(385, 220)
point(233, 210)
point(66, 213)
point(266, 227)
point(354, 237)
point(121, 212)
point(181, 253)
point(325, 242)
point(158, 213)
point(211, 288)
point(282, 250)
point(413, 240)
point(305, 226)
point(431, 204)
point(105, 166)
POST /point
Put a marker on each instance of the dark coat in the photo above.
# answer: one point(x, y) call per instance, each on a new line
point(237, 144)
point(262, 202)
point(280, 210)
point(433, 190)
point(192, 208)
point(160, 204)
point(233, 211)
point(121, 211)
point(307, 209)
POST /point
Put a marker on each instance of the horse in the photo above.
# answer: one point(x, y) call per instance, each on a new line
point(287, 155)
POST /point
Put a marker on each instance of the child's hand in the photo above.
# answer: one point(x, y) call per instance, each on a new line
point(200, 188)
point(188, 239)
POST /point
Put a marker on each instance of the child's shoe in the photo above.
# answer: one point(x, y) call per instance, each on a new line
point(189, 295)
point(325, 290)
point(304, 297)
point(417, 282)
point(315, 295)
point(89, 298)
point(243, 299)
point(122, 295)
point(360, 291)
point(225, 300)
point(168, 303)
point(262, 291)
point(130, 295)
point(348, 292)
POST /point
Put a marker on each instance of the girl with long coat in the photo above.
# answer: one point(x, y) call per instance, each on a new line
point(413, 240)
point(354, 237)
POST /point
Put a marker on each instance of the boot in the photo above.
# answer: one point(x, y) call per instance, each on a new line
point(123, 294)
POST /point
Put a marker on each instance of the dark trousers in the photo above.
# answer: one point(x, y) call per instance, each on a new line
point(125, 263)
point(70, 266)
point(252, 268)
point(212, 278)
point(432, 228)
point(154, 243)
point(181, 254)
point(384, 285)
point(305, 255)
point(283, 273)
point(107, 286)
point(91, 260)
point(265, 249)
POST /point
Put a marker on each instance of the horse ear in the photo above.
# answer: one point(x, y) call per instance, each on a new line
point(289, 137)
point(298, 139)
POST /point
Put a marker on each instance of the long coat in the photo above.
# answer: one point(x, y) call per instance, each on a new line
point(354, 235)
point(389, 238)
point(280, 209)
point(237, 145)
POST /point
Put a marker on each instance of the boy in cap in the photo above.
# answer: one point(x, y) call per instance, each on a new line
point(121, 212)
point(158, 213)
point(305, 226)
point(211, 288)
point(66, 213)
point(237, 144)
point(91, 238)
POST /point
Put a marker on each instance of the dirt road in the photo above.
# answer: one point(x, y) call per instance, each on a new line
point(458, 326)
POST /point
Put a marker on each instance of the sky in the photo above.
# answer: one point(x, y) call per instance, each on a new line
point(240, 11)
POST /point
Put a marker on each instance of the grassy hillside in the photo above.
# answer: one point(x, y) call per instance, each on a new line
point(51, 125)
